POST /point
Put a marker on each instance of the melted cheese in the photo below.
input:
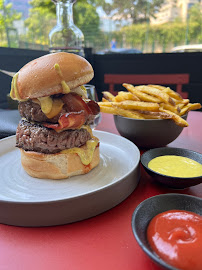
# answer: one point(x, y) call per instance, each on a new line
point(56, 108)
point(46, 104)
point(85, 153)
point(53, 107)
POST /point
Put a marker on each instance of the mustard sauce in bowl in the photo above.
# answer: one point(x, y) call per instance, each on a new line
point(173, 167)
point(176, 166)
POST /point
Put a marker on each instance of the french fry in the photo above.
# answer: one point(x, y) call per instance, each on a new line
point(125, 96)
point(181, 105)
point(190, 107)
point(107, 95)
point(184, 110)
point(142, 96)
point(184, 101)
point(105, 104)
point(171, 108)
point(137, 105)
point(167, 90)
point(178, 120)
point(122, 112)
point(104, 99)
point(164, 97)
point(155, 115)
point(148, 102)
point(119, 98)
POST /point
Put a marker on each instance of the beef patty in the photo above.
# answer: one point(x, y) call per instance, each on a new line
point(35, 137)
point(32, 112)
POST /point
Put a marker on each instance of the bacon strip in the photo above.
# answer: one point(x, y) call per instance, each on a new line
point(72, 120)
point(75, 103)
point(94, 107)
point(79, 112)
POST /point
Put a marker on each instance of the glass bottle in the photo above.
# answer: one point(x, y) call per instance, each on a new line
point(66, 36)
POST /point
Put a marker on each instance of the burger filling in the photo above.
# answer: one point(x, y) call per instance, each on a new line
point(65, 108)
point(61, 127)
point(35, 137)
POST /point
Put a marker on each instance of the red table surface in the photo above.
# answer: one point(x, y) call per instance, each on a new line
point(102, 242)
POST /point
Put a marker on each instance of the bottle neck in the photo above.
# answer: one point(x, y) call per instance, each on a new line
point(64, 12)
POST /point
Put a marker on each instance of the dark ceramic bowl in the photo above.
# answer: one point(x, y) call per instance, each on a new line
point(151, 207)
point(148, 133)
point(171, 181)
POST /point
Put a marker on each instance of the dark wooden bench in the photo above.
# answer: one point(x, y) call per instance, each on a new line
point(161, 79)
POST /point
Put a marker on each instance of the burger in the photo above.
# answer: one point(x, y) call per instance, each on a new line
point(54, 134)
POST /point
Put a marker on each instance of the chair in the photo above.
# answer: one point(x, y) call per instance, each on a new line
point(161, 79)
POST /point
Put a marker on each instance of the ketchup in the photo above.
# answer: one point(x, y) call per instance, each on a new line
point(176, 236)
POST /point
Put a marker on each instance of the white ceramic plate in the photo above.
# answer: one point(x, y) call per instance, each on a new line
point(27, 201)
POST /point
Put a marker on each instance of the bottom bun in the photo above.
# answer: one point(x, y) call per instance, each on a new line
point(56, 166)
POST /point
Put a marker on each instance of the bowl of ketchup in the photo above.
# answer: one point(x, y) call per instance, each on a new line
point(168, 228)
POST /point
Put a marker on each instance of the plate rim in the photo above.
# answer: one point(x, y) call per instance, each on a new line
point(85, 194)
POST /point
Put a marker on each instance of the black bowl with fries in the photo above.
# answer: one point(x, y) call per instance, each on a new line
point(148, 133)
point(148, 115)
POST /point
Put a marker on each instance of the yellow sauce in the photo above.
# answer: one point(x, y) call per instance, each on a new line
point(85, 154)
point(177, 166)
point(65, 87)
point(88, 129)
point(49, 106)
point(46, 104)
point(57, 68)
point(14, 90)
point(56, 107)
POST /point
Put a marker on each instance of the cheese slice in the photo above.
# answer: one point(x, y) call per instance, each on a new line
point(85, 153)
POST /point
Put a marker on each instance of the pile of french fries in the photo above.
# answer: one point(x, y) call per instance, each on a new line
point(148, 102)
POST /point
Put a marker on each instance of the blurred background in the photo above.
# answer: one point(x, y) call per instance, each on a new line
point(147, 26)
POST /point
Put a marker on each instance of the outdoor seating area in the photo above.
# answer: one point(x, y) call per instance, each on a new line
point(100, 135)
point(179, 71)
